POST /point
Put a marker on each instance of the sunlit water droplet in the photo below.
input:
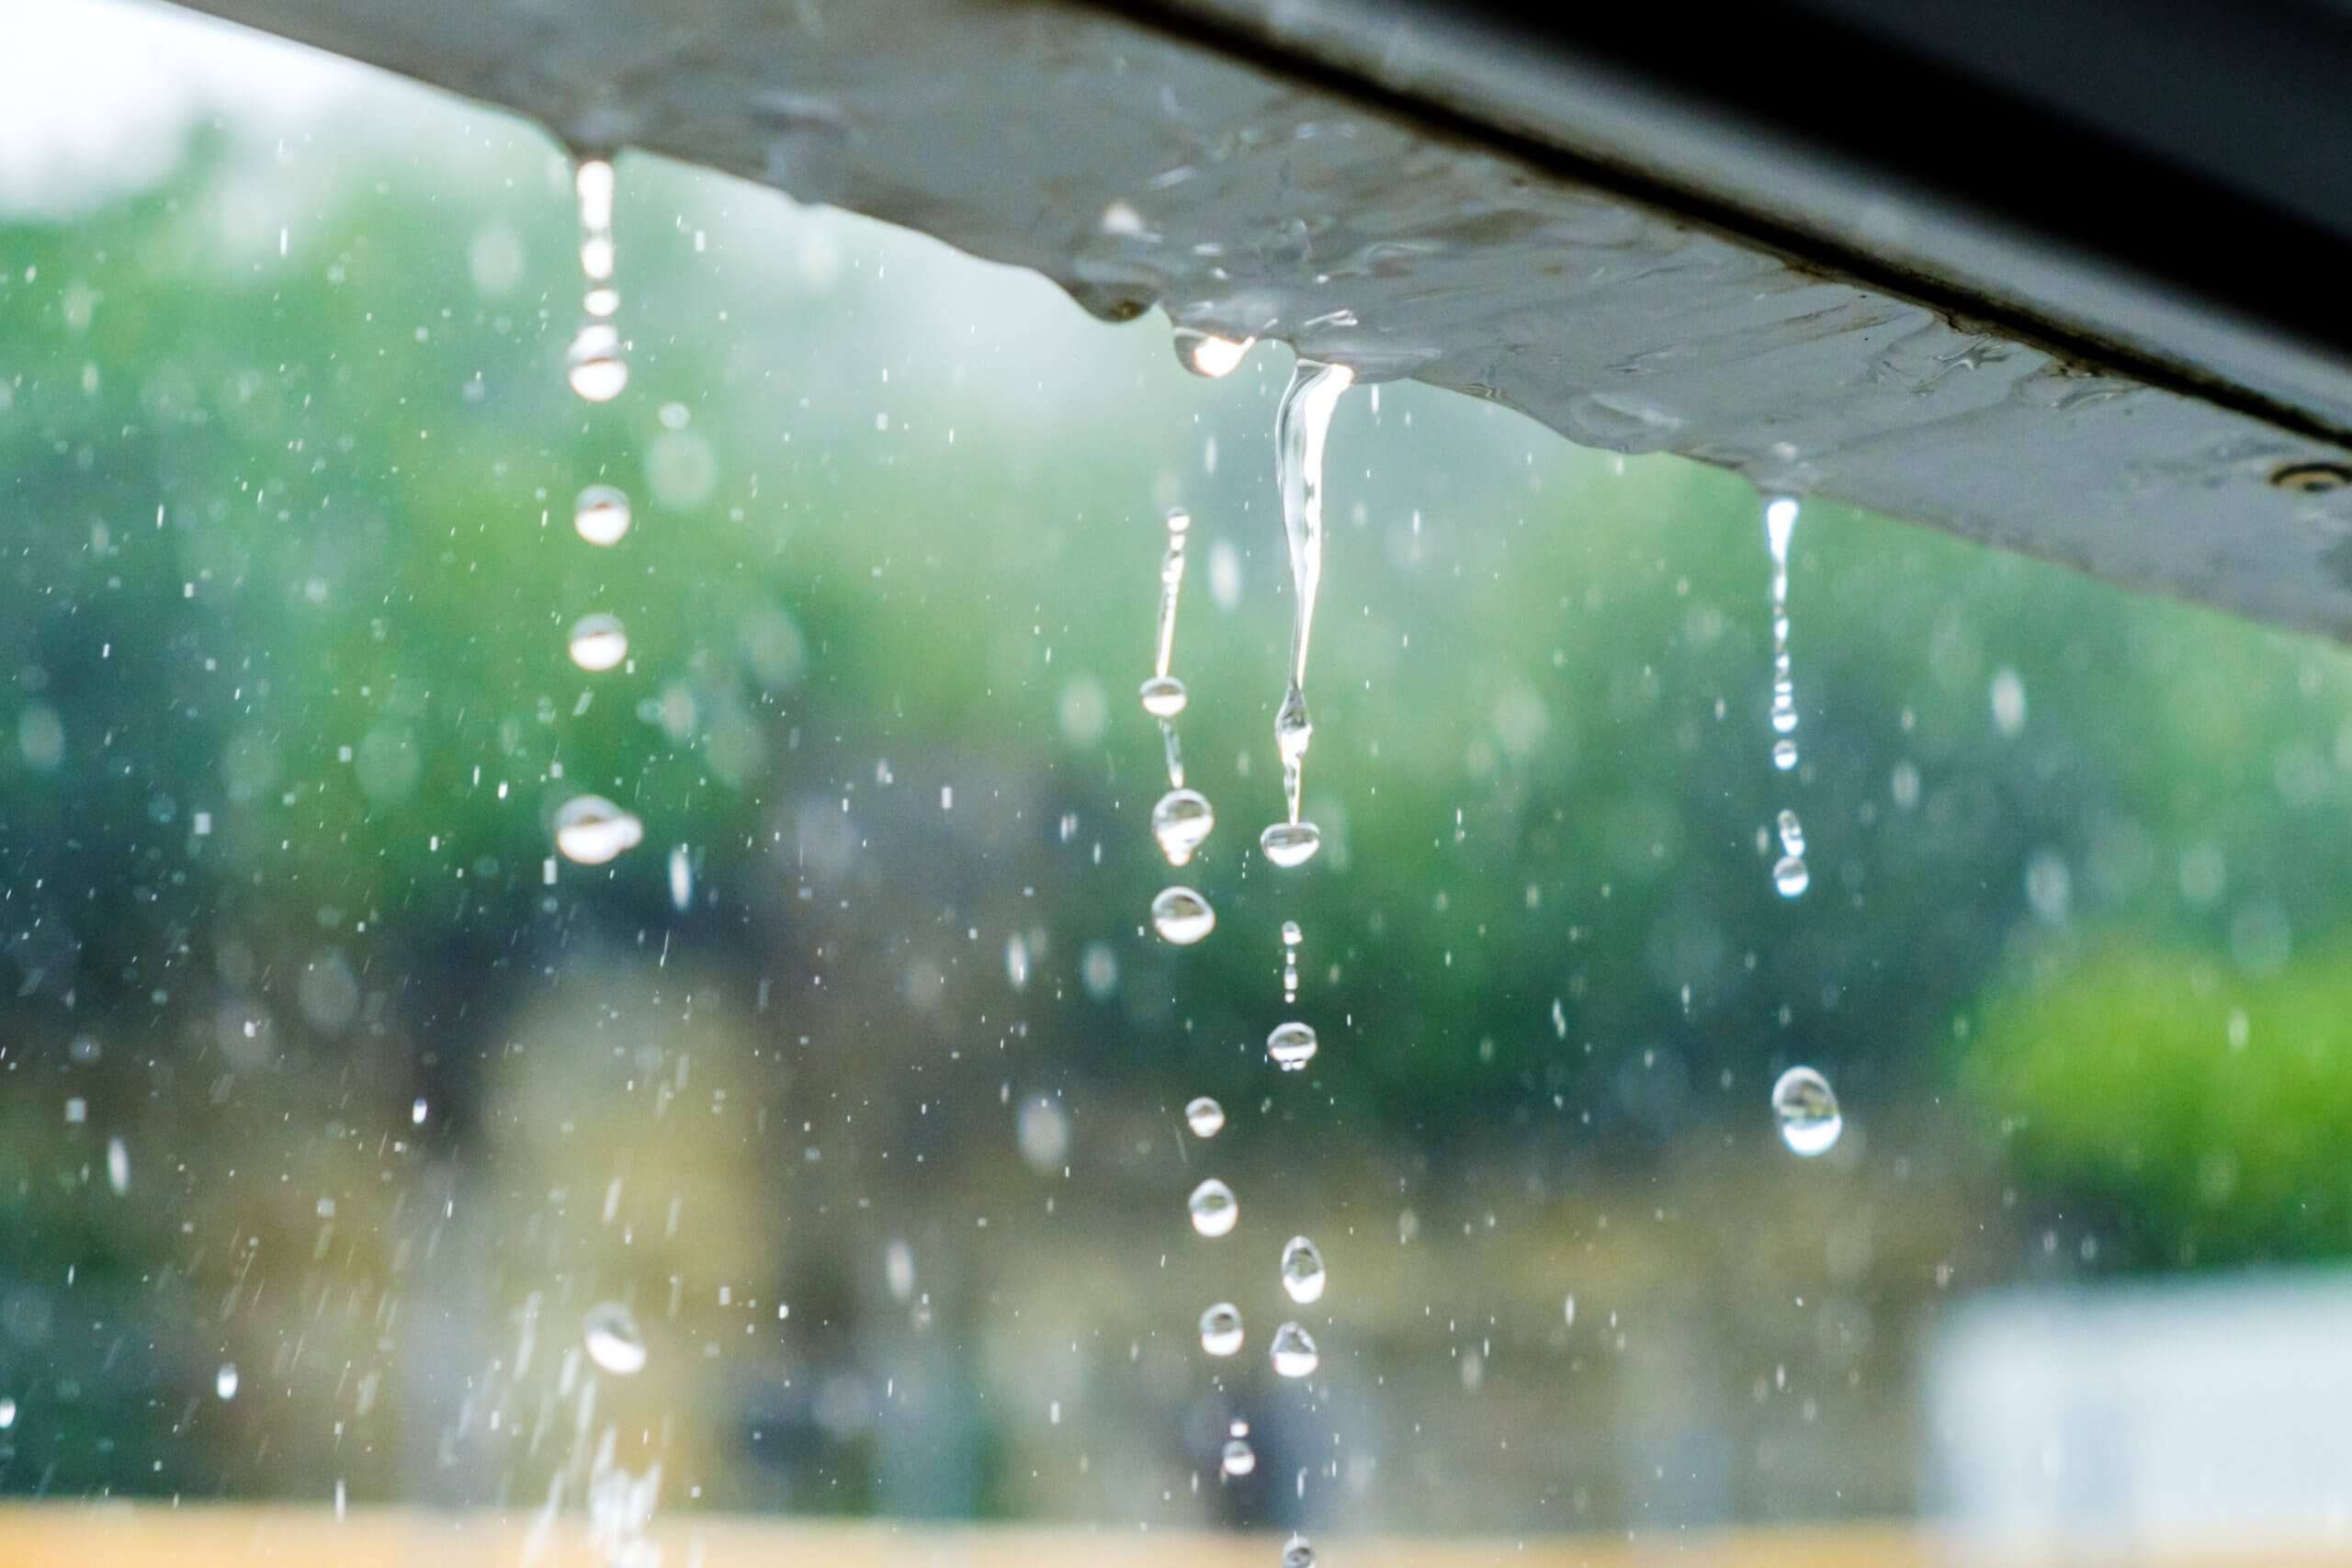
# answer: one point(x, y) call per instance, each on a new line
point(595, 364)
point(1293, 1351)
point(1807, 1112)
point(1172, 583)
point(1214, 1212)
point(1291, 937)
point(1790, 876)
point(681, 877)
point(1291, 843)
point(1291, 1046)
point(1784, 754)
point(601, 514)
point(7, 1413)
point(1182, 916)
point(1568, 1311)
point(591, 831)
point(1303, 1275)
point(1163, 696)
point(1792, 833)
point(1205, 1117)
point(118, 1166)
point(1221, 1329)
point(1298, 1553)
point(1237, 1458)
point(1181, 821)
point(224, 1381)
point(598, 641)
point(614, 1343)
point(1206, 354)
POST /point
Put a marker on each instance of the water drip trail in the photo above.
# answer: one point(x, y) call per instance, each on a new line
point(1790, 876)
point(1301, 425)
point(1164, 689)
point(596, 369)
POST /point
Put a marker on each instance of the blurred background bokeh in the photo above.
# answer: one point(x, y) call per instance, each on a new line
point(308, 1070)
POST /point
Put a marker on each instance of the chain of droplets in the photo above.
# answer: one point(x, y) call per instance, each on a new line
point(1790, 876)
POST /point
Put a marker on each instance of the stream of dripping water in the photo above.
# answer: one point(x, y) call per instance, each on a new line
point(1790, 876)
point(595, 367)
point(1301, 424)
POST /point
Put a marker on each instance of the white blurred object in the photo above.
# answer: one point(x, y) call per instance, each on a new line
point(2124, 1419)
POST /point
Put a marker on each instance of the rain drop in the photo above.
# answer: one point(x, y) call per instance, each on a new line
point(1291, 1046)
point(595, 364)
point(591, 831)
point(598, 641)
point(1181, 821)
point(1163, 696)
point(1291, 843)
point(1293, 1351)
point(224, 1381)
point(1214, 1212)
point(1807, 1112)
point(613, 1341)
point(1790, 876)
point(681, 877)
point(1182, 916)
point(1237, 1457)
point(601, 514)
point(1303, 1275)
point(1298, 1551)
point(1206, 354)
point(1221, 1329)
point(118, 1167)
point(1205, 1117)
point(7, 1413)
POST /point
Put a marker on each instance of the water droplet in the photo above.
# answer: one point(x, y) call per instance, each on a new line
point(598, 641)
point(613, 1341)
point(681, 877)
point(1181, 820)
point(595, 363)
point(416, 1113)
point(1569, 1311)
point(1291, 843)
point(1784, 754)
point(1292, 935)
point(1182, 916)
point(1298, 1551)
point(1221, 1329)
point(1807, 1112)
point(1172, 583)
point(1291, 1046)
point(1293, 1351)
point(7, 1413)
point(1792, 833)
point(1163, 696)
point(601, 514)
point(1237, 1457)
point(1790, 876)
point(224, 1381)
point(1301, 423)
point(1205, 1117)
point(118, 1166)
point(1214, 1212)
point(1206, 354)
point(1303, 1275)
point(590, 830)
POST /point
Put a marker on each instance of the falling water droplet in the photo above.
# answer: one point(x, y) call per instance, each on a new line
point(1181, 820)
point(1784, 754)
point(590, 830)
point(681, 877)
point(1182, 916)
point(1303, 1273)
point(613, 1341)
point(601, 514)
point(1214, 1212)
point(1568, 1310)
point(1291, 937)
point(118, 1166)
point(1172, 583)
point(1221, 1329)
point(1291, 1046)
point(1206, 354)
point(595, 364)
point(416, 1113)
point(224, 1381)
point(1163, 696)
point(7, 1413)
point(1807, 1112)
point(1298, 1551)
point(1237, 1458)
point(1293, 1351)
point(1205, 1117)
point(1792, 833)
point(1291, 843)
point(598, 641)
point(1790, 876)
